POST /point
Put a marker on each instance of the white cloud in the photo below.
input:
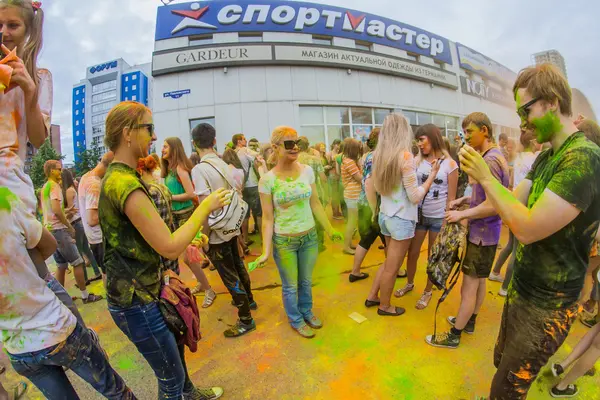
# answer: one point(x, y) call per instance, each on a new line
point(83, 33)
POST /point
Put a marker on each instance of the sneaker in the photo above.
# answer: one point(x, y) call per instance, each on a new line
point(239, 329)
point(495, 277)
point(305, 331)
point(314, 322)
point(570, 391)
point(204, 394)
point(92, 298)
point(469, 328)
point(557, 370)
point(209, 298)
point(502, 292)
point(447, 340)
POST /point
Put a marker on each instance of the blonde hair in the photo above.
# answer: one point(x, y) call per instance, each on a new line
point(34, 22)
point(276, 137)
point(124, 115)
point(545, 82)
point(394, 142)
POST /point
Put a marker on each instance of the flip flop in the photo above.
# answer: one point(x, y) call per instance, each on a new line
point(354, 278)
point(404, 275)
point(399, 312)
point(371, 303)
point(19, 390)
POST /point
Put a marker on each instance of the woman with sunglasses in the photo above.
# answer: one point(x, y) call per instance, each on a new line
point(289, 199)
point(433, 207)
point(136, 236)
point(176, 169)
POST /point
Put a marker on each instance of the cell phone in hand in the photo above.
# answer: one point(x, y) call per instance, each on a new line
point(1, 42)
point(462, 138)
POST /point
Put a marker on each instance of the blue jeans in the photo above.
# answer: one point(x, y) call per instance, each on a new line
point(82, 355)
point(295, 258)
point(145, 326)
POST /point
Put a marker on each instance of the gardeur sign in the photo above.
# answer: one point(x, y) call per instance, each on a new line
point(197, 18)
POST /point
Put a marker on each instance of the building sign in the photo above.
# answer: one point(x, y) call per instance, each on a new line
point(163, 63)
point(177, 94)
point(197, 18)
point(104, 67)
point(485, 92)
point(482, 65)
point(209, 57)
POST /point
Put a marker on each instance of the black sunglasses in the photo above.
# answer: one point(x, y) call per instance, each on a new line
point(290, 144)
point(523, 111)
point(150, 128)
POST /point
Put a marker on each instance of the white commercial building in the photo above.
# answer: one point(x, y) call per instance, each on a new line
point(247, 67)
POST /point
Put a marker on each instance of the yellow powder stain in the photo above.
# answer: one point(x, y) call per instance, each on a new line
point(346, 386)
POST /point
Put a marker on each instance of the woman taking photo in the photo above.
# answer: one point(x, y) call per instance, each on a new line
point(71, 205)
point(176, 169)
point(135, 237)
point(351, 181)
point(432, 208)
point(395, 180)
point(289, 199)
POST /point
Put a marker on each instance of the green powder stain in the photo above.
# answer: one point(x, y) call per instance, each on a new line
point(126, 363)
point(6, 199)
point(547, 126)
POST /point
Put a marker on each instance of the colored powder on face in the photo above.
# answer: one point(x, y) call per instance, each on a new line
point(547, 126)
point(6, 198)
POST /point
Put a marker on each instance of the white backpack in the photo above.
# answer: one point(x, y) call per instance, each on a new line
point(227, 222)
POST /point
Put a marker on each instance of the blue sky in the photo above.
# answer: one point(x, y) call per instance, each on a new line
point(80, 33)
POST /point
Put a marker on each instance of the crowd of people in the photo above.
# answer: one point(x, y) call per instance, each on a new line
point(136, 217)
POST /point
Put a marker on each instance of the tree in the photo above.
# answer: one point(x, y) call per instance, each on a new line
point(45, 152)
point(88, 159)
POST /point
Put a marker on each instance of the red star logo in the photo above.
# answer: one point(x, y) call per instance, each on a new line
point(355, 21)
point(191, 14)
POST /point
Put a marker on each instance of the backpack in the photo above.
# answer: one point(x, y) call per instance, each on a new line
point(227, 221)
point(446, 258)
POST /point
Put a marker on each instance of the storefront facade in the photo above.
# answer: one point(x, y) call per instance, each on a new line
point(329, 72)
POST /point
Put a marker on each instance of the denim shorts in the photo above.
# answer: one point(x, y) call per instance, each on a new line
point(66, 253)
point(397, 228)
point(430, 224)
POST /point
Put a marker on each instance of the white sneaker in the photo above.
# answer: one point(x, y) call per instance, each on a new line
point(502, 292)
point(496, 277)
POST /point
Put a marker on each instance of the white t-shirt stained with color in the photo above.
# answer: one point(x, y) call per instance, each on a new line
point(434, 205)
point(89, 194)
point(32, 318)
point(292, 213)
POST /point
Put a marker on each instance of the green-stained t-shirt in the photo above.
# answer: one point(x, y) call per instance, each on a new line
point(551, 272)
point(120, 235)
point(175, 187)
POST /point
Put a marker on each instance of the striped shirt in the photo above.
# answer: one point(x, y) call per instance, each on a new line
point(351, 186)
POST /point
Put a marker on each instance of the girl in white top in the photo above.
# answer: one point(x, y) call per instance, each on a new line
point(289, 200)
point(522, 164)
point(395, 179)
point(435, 203)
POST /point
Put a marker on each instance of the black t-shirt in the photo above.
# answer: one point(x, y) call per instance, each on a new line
point(551, 272)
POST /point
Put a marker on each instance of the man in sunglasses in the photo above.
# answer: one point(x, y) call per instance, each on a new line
point(63, 231)
point(554, 214)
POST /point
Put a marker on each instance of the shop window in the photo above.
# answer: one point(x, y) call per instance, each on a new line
point(201, 40)
point(362, 115)
point(322, 40)
point(363, 45)
point(250, 37)
point(423, 118)
point(337, 115)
